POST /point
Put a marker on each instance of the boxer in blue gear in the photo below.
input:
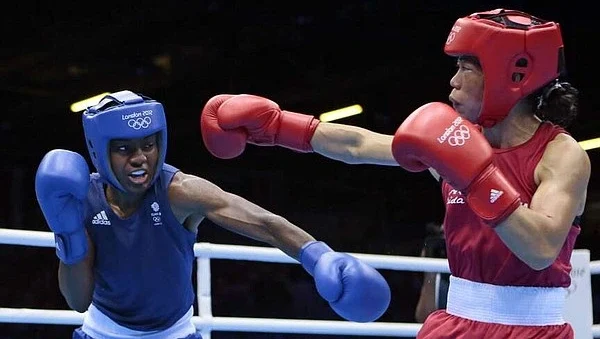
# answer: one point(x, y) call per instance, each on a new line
point(124, 235)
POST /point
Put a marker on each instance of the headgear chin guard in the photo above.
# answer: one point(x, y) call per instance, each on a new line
point(123, 115)
point(518, 54)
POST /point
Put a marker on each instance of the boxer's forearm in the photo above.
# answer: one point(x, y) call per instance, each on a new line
point(426, 303)
point(532, 237)
point(287, 237)
point(353, 145)
point(76, 284)
point(243, 217)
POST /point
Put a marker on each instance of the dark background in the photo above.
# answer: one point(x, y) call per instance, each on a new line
point(310, 57)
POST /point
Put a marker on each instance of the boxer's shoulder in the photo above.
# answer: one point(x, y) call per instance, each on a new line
point(189, 193)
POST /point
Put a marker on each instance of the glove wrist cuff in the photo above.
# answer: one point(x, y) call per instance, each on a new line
point(492, 197)
point(71, 248)
point(296, 131)
point(310, 254)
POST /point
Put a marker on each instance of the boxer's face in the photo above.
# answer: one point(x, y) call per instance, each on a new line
point(133, 162)
point(467, 88)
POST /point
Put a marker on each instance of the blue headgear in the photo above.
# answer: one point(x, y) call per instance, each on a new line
point(122, 115)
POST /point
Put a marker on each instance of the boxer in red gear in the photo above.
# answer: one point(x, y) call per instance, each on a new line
point(513, 179)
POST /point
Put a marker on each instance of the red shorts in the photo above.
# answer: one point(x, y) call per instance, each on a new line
point(441, 325)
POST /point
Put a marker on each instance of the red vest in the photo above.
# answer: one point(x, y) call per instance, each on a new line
point(474, 250)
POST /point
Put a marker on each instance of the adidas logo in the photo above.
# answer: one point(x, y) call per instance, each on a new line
point(100, 219)
point(494, 195)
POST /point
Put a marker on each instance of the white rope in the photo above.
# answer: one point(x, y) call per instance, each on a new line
point(267, 325)
point(37, 316)
point(208, 251)
point(595, 267)
point(252, 253)
point(267, 254)
point(26, 238)
point(229, 324)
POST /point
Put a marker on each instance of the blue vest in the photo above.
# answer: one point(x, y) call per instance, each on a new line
point(143, 266)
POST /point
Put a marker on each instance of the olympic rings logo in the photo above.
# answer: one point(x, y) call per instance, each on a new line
point(139, 123)
point(460, 136)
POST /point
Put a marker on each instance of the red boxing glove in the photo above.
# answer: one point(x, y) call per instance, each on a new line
point(228, 122)
point(436, 136)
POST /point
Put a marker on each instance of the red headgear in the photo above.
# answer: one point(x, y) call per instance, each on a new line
point(518, 54)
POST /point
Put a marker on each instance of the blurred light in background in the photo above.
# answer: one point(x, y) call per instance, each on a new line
point(341, 113)
point(590, 144)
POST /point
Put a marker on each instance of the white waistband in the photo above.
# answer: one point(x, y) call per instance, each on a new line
point(508, 305)
point(97, 325)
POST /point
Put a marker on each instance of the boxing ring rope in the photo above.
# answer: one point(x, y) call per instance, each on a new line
point(205, 321)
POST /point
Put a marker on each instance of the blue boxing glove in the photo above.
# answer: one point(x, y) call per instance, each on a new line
point(355, 290)
point(61, 186)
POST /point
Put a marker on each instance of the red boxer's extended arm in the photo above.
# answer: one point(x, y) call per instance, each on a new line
point(228, 122)
point(353, 145)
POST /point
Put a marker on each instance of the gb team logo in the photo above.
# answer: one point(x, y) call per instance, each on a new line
point(155, 214)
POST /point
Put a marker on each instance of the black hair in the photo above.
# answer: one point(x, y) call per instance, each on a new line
point(557, 102)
